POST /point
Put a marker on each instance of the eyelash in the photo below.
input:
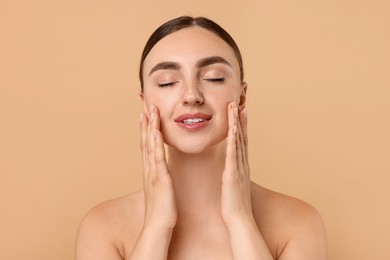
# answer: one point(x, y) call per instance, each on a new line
point(168, 84)
point(216, 80)
point(212, 80)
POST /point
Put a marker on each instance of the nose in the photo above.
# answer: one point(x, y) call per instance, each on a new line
point(192, 95)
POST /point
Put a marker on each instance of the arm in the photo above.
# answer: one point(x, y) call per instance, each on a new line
point(153, 243)
point(161, 212)
point(96, 239)
point(307, 241)
point(245, 238)
point(247, 242)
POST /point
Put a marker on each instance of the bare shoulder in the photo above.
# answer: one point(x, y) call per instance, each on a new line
point(105, 226)
point(292, 227)
point(278, 206)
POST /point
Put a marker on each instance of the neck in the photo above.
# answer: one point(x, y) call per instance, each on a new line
point(197, 180)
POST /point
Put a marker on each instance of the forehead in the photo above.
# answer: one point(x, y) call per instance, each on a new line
point(187, 46)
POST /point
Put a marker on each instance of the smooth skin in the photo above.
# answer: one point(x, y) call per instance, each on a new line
point(199, 203)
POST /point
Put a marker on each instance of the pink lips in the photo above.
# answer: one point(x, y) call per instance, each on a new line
point(193, 122)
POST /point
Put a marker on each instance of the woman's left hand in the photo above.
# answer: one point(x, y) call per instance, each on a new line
point(236, 206)
point(236, 194)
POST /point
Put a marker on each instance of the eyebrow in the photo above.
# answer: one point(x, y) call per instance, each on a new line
point(166, 65)
point(211, 60)
point(170, 65)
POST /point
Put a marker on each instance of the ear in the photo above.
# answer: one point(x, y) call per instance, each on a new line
point(141, 95)
point(242, 103)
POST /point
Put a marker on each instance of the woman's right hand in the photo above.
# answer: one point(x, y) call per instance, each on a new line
point(160, 205)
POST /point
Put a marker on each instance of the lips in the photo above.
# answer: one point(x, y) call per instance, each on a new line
point(193, 122)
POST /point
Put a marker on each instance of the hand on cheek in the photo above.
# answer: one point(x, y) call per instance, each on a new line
point(236, 196)
point(158, 187)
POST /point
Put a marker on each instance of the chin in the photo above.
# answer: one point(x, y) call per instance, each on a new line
point(191, 149)
point(196, 147)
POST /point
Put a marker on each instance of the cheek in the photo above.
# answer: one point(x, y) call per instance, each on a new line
point(152, 99)
point(221, 110)
point(222, 100)
point(232, 94)
point(164, 105)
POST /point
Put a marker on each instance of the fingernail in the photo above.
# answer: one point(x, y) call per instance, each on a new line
point(235, 111)
point(245, 113)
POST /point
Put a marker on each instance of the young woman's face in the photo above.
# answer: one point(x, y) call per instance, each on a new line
point(191, 76)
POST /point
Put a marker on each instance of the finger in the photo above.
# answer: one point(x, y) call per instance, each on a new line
point(239, 143)
point(241, 134)
point(159, 155)
point(231, 149)
point(144, 132)
point(231, 118)
point(244, 127)
point(150, 144)
point(244, 142)
point(156, 123)
point(159, 152)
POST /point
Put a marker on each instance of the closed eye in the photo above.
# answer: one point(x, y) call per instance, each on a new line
point(167, 84)
point(216, 80)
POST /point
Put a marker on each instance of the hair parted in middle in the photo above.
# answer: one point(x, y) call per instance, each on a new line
point(182, 22)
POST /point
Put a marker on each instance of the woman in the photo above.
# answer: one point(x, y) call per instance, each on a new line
point(199, 203)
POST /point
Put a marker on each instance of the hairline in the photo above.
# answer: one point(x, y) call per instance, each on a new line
point(184, 22)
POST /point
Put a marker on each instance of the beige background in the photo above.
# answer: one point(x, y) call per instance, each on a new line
point(319, 103)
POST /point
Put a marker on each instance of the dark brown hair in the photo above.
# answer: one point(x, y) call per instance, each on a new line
point(185, 22)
